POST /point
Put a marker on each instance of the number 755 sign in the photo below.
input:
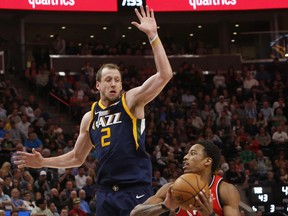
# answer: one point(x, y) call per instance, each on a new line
point(132, 3)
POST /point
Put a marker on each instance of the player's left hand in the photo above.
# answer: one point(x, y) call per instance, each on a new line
point(204, 204)
point(147, 21)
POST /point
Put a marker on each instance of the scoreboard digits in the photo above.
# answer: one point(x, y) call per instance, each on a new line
point(269, 198)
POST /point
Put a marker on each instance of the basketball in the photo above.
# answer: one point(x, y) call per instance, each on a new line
point(186, 188)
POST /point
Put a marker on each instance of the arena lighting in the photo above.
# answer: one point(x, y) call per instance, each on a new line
point(61, 73)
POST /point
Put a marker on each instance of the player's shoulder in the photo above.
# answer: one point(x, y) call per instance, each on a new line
point(86, 118)
point(228, 192)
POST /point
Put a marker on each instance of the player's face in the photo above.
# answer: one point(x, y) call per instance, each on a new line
point(195, 160)
point(110, 85)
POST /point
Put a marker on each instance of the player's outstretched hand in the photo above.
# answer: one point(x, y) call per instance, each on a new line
point(147, 21)
point(24, 159)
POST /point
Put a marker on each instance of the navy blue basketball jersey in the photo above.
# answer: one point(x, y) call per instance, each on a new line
point(119, 140)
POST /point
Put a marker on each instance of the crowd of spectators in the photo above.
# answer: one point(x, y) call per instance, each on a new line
point(243, 112)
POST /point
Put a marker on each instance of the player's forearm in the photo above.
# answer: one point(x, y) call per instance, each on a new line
point(161, 60)
point(63, 161)
point(151, 210)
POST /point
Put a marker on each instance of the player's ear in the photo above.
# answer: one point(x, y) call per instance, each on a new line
point(97, 85)
point(209, 160)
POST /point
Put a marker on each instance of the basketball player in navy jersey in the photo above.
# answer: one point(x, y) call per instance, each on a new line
point(203, 159)
point(115, 126)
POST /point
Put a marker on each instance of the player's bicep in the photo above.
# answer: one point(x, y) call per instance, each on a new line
point(83, 143)
point(230, 199)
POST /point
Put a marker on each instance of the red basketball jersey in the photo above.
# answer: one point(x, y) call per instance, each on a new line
point(214, 187)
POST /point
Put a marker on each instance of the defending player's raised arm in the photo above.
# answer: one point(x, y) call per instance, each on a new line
point(152, 86)
point(74, 158)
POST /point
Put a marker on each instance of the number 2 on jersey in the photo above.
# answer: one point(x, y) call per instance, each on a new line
point(107, 134)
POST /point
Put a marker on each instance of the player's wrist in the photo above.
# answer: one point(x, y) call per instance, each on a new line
point(154, 40)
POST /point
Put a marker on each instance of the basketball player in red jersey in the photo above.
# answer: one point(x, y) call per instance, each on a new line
point(202, 159)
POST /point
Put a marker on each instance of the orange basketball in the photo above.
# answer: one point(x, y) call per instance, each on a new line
point(186, 188)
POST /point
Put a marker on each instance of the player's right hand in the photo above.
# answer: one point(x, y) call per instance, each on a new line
point(24, 159)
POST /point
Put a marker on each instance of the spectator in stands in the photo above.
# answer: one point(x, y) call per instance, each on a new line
point(280, 139)
point(33, 142)
point(261, 121)
point(267, 111)
point(5, 201)
point(68, 203)
point(26, 179)
point(262, 74)
point(17, 202)
point(7, 146)
point(53, 209)
point(42, 79)
point(80, 178)
point(264, 140)
point(27, 109)
point(249, 82)
point(159, 179)
point(23, 125)
point(246, 154)
point(207, 111)
point(219, 106)
point(7, 184)
point(89, 188)
point(263, 165)
point(55, 198)
point(281, 160)
point(233, 176)
point(83, 203)
point(250, 108)
point(41, 208)
point(187, 98)
point(278, 118)
point(64, 212)
point(76, 208)
point(279, 103)
point(219, 80)
point(69, 187)
point(27, 200)
point(15, 133)
point(41, 184)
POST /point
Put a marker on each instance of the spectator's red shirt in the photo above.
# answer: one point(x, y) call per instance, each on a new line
point(77, 212)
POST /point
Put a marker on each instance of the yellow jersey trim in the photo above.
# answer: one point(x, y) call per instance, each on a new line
point(101, 105)
point(134, 120)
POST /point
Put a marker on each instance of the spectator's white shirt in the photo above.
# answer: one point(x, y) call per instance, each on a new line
point(280, 136)
point(80, 181)
point(249, 83)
